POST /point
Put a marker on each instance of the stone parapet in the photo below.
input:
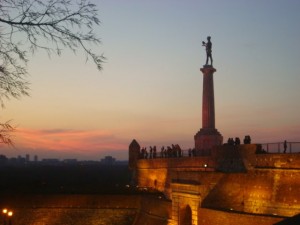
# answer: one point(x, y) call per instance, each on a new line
point(209, 216)
point(284, 161)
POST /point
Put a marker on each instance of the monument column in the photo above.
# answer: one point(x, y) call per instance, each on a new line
point(208, 136)
point(208, 101)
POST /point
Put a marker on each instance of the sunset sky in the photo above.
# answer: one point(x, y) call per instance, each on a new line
point(150, 88)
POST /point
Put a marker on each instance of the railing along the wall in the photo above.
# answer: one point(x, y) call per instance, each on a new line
point(278, 147)
point(275, 147)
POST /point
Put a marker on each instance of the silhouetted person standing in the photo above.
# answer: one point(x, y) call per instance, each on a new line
point(247, 139)
point(237, 141)
point(208, 47)
point(284, 146)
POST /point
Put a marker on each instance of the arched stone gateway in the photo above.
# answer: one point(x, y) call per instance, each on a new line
point(186, 200)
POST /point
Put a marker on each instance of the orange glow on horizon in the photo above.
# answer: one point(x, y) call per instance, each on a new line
point(68, 140)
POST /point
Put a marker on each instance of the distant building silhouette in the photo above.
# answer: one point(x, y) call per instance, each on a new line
point(108, 160)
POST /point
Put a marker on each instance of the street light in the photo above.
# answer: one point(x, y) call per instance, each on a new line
point(4, 215)
point(9, 214)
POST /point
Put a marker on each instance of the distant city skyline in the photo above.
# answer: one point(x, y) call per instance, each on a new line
point(150, 88)
point(28, 159)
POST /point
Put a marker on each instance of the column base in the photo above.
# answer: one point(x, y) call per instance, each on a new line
point(206, 139)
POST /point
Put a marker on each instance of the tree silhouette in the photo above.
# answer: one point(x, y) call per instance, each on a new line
point(5, 133)
point(51, 25)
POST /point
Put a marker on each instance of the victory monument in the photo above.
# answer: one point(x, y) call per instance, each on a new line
point(215, 183)
point(208, 136)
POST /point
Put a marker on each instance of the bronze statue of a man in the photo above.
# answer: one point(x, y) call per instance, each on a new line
point(208, 47)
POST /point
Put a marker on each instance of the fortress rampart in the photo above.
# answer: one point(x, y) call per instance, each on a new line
point(231, 179)
point(209, 216)
point(72, 209)
point(87, 209)
point(233, 185)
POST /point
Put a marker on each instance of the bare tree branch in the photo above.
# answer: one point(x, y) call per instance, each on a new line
point(50, 25)
point(5, 133)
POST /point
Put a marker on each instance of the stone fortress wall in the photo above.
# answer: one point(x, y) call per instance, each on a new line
point(232, 186)
point(72, 209)
point(233, 180)
point(87, 209)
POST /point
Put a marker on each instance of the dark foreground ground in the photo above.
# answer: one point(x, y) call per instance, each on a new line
point(65, 179)
point(78, 195)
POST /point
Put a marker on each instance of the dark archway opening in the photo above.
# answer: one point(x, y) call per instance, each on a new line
point(185, 216)
point(155, 183)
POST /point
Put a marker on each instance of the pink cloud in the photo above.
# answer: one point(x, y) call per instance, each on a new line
point(68, 140)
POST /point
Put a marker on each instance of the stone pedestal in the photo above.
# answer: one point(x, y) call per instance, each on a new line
point(205, 139)
point(208, 136)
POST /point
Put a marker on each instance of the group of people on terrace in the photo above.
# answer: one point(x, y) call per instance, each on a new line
point(172, 151)
point(237, 141)
point(175, 151)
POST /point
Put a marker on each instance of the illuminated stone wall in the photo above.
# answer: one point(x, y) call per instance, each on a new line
point(208, 217)
point(154, 211)
point(158, 173)
point(288, 161)
point(88, 209)
point(71, 216)
point(260, 191)
point(235, 179)
point(72, 209)
point(69, 201)
point(153, 173)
